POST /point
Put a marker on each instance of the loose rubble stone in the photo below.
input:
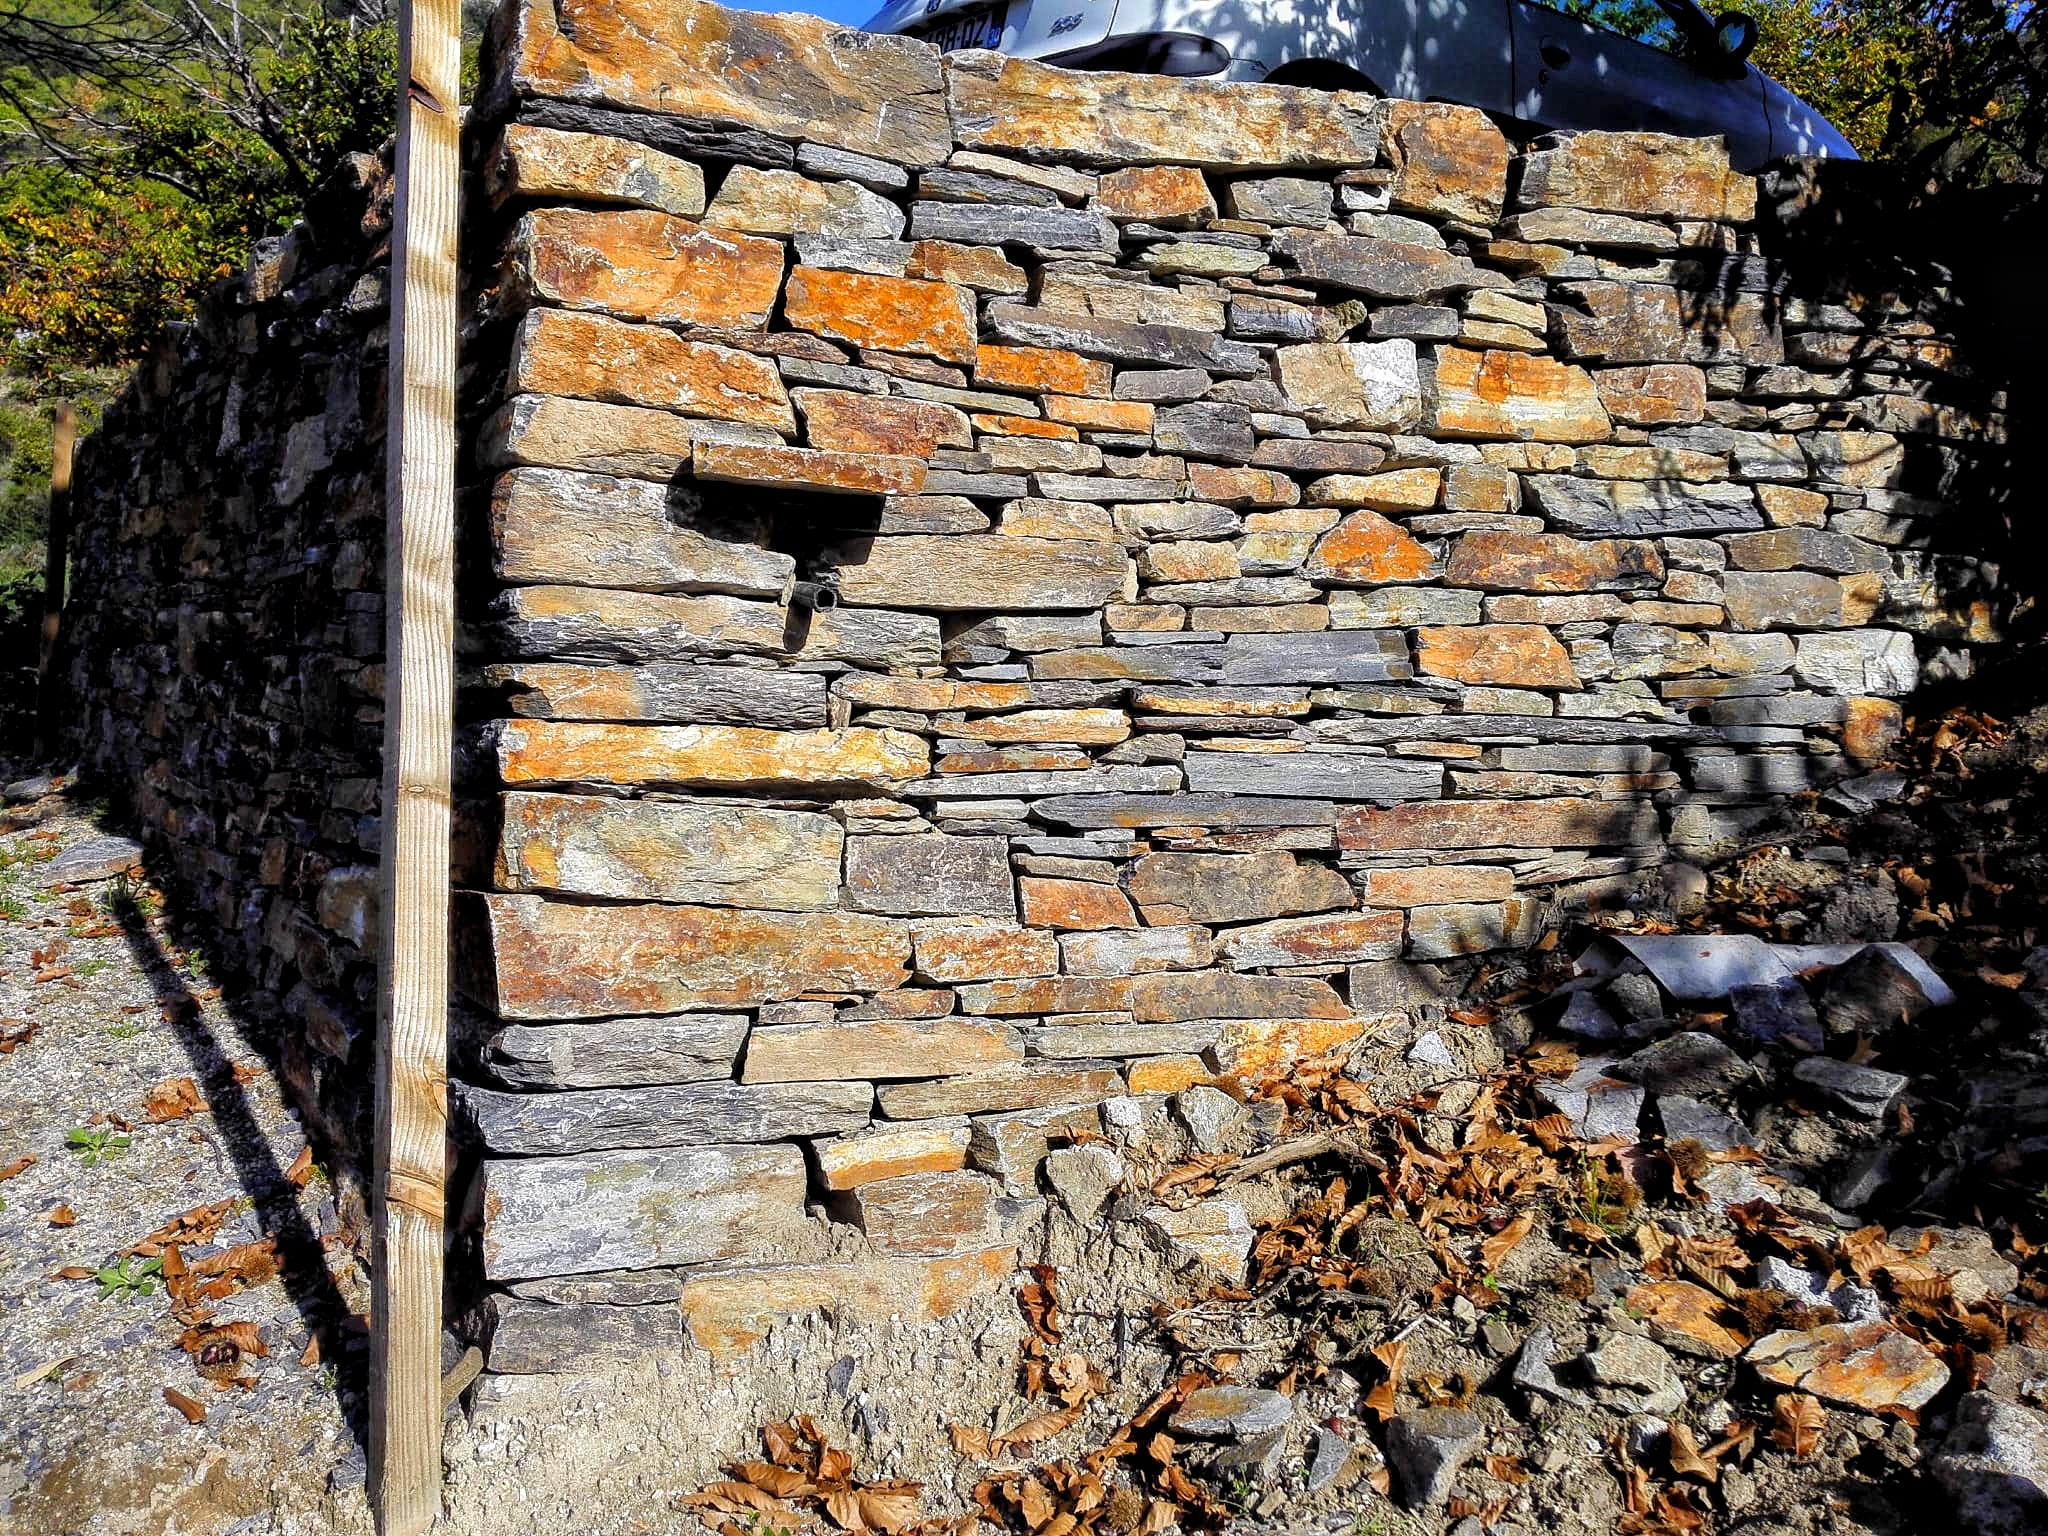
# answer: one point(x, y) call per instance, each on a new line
point(1427, 1448)
point(1209, 1115)
point(1214, 1234)
point(1532, 1370)
point(1689, 1062)
point(1872, 1366)
point(1084, 1177)
point(1869, 994)
point(1861, 1090)
point(1597, 1105)
point(1231, 1413)
point(1994, 1466)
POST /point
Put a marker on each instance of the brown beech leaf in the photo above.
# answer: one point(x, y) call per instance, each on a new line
point(1038, 1427)
point(61, 1216)
point(890, 1508)
point(1506, 1240)
point(733, 1496)
point(193, 1410)
point(1686, 1460)
point(301, 1169)
point(1798, 1421)
point(769, 1478)
point(969, 1440)
point(21, 1164)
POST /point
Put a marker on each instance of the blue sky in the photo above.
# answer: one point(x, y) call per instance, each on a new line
point(832, 10)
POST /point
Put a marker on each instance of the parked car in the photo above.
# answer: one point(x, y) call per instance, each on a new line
point(1663, 65)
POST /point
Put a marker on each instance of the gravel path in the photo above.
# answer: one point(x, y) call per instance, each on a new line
point(101, 1005)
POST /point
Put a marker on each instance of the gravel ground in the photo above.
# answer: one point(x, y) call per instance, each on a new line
point(100, 1003)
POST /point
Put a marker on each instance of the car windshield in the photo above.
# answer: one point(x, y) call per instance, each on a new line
point(1650, 22)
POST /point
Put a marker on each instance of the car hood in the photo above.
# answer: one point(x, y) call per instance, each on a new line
point(1797, 129)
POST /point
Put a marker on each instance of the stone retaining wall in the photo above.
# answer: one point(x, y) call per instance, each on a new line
point(226, 632)
point(1285, 542)
point(1286, 545)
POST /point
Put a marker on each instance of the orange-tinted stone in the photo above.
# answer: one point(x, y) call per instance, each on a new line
point(1448, 160)
point(1156, 194)
point(1173, 997)
point(533, 162)
point(792, 76)
point(1433, 885)
point(847, 421)
point(1652, 174)
point(1231, 487)
point(1512, 655)
point(929, 695)
point(643, 265)
point(980, 267)
point(530, 958)
point(1367, 549)
point(970, 951)
point(1100, 415)
point(1087, 727)
point(891, 314)
point(1167, 1074)
point(809, 469)
point(1872, 1366)
point(1870, 728)
point(1040, 371)
point(1074, 904)
point(1441, 824)
point(1658, 395)
point(593, 357)
point(1551, 562)
point(1023, 426)
point(1253, 1050)
point(703, 756)
point(926, 1213)
point(1395, 490)
point(1049, 994)
point(889, 1151)
point(1499, 393)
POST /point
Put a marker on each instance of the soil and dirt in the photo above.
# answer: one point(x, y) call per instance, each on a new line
point(1806, 1297)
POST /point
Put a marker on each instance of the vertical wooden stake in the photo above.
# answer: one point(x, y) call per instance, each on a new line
point(56, 551)
point(419, 715)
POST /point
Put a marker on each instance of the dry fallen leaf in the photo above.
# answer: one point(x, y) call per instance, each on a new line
point(1799, 1420)
point(301, 1169)
point(969, 1440)
point(1686, 1460)
point(1037, 1428)
point(193, 1410)
point(48, 1368)
point(1505, 1241)
point(61, 1216)
point(173, 1099)
point(21, 1164)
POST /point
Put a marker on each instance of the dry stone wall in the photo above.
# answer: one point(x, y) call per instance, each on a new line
point(224, 644)
point(1285, 543)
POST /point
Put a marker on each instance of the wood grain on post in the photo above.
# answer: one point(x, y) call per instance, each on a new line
point(56, 552)
point(419, 699)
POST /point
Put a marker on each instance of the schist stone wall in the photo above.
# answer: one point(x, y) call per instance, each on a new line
point(1285, 543)
point(226, 632)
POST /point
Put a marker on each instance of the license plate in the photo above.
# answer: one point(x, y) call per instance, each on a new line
point(973, 29)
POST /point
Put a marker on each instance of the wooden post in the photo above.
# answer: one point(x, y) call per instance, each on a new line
point(419, 716)
point(56, 552)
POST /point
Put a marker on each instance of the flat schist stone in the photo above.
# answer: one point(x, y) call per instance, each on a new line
point(534, 752)
point(878, 1049)
point(1041, 112)
point(986, 572)
point(532, 1337)
point(639, 1209)
point(529, 958)
point(564, 526)
point(687, 1114)
point(665, 850)
point(1314, 775)
point(729, 1310)
point(1642, 508)
point(662, 694)
point(1217, 812)
point(616, 1053)
point(794, 76)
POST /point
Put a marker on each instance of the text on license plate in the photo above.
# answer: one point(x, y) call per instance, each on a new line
point(976, 29)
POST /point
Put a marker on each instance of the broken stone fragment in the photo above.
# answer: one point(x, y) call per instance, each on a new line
point(1215, 1234)
point(1532, 1370)
point(1084, 1177)
point(1636, 1374)
point(1210, 1116)
point(1776, 1013)
point(1994, 1467)
point(1687, 1119)
point(1868, 994)
point(1427, 1448)
point(1861, 1090)
point(1871, 1366)
point(1690, 1062)
point(926, 1214)
point(1231, 1413)
point(1975, 1269)
point(1596, 1105)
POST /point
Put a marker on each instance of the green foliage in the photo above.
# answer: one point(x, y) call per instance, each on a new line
point(120, 1281)
point(97, 1144)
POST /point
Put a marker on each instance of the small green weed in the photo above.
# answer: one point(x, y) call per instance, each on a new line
point(126, 1029)
point(97, 1144)
point(120, 1281)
